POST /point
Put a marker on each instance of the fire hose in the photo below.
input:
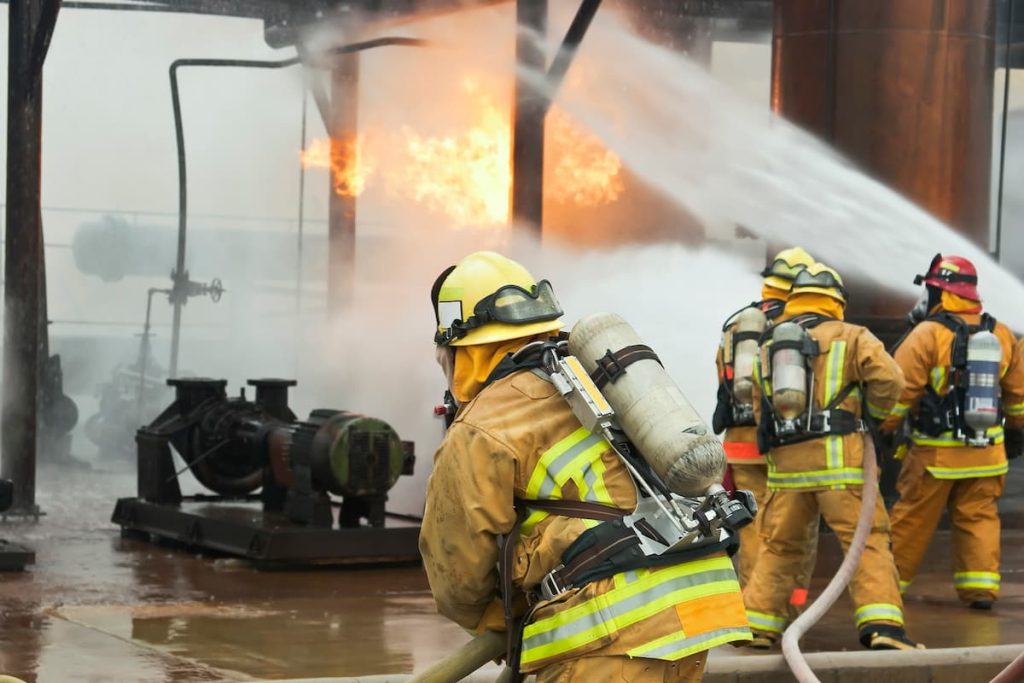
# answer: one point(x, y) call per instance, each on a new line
point(487, 646)
point(791, 638)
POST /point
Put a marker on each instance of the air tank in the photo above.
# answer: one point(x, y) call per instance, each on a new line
point(789, 372)
point(750, 324)
point(651, 409)
point(981, 402)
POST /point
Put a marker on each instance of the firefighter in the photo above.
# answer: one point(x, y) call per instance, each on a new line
point(813, 373)
point(514, 443)
point(734, 413)
point(954, 461)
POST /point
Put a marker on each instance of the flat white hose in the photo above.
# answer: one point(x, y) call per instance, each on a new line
point(1012, 673)
point(791, 638)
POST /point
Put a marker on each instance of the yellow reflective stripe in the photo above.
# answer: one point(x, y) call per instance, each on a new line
point(947, 440)
point(878, 611)
point(836, 364)
point(938, 378)
point(904, 585)
point(556, 464)
point(590, 477)
point(846, 476)
point(967, 472)
point(976, 580)
point(762, 621)
point(675, 646)
point(877, 412)
point(622, 606)
point(900, 409)
point(1014, 410)
point(766, 388)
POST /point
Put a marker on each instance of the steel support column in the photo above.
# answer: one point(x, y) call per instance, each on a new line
point(904, 88)
point(528, 116)
point(341, 230)
point(30, 26)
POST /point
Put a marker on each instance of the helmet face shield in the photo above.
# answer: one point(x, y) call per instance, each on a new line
point(821, 280)
point(510, 304)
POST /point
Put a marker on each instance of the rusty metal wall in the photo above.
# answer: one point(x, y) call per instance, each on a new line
point(902, 87)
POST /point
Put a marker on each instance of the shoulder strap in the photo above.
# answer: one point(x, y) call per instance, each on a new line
point(613, 364)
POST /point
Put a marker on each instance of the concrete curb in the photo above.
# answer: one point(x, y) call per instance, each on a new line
point(951, 665)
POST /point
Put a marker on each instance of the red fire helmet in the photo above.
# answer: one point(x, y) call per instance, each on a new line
point(954, 274)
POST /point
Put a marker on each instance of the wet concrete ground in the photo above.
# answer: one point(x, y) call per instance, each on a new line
point(97, 607)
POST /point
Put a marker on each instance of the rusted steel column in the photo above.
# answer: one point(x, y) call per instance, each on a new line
point(341, 227)
point(30, 24)
point(529, 109)
point(902, 87)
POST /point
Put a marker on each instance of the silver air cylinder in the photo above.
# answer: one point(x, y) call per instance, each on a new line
point(789, 373)
point(651, 409)
point(753, 321)
point(981, 404)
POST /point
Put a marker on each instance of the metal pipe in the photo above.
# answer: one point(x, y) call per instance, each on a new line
point(341, 203)
point(1002, 134)
point(791, 638)
point(573, 37)
point(302, 206)
point(528, 116)
point(30, 23)
point(179, 276)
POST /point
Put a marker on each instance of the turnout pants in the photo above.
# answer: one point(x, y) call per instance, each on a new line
point(626, 669)
point(754, 478)
point(874, 587)
point(974, 520)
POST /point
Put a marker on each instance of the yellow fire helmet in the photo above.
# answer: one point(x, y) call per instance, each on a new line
point(820, 279)
point(487, 298)
point(785, 267)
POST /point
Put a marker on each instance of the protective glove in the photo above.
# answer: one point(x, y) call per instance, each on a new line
point(1013, 441)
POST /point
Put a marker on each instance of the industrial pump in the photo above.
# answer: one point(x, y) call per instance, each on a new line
point(235, 446)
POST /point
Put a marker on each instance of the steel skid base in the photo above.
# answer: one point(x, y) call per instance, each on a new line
point(14, 557)
point(240, 527)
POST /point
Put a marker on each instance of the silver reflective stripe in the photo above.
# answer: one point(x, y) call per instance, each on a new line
point(856, 476)
point(590, 477)
point(606, 616)
point(556, 467)
point(680, 646)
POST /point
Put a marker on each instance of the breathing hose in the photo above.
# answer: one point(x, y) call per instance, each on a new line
point(791, 638)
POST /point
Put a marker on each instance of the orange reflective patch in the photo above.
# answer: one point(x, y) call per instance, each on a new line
point(702, 615)
point(798, 597)
point(741, 449)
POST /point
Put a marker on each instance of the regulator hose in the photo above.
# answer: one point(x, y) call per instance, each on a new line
point(791, 638)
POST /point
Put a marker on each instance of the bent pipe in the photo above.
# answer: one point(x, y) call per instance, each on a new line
point(791, 638)
point(179, 276)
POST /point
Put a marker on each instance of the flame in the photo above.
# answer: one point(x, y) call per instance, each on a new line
point(467, 175)
point(346, 161)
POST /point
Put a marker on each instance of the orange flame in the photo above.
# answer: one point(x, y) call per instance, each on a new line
point(467, 176)
point(347, 162)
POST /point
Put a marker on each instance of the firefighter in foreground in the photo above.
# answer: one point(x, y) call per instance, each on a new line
point(734, 413)
point(515, 442)
point(813, 374)
point(965, 399)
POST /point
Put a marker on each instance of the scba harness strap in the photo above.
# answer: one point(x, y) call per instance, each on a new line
point(940, 413)
point(830, 420)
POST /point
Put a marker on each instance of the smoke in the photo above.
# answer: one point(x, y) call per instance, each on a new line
point(700, 158)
